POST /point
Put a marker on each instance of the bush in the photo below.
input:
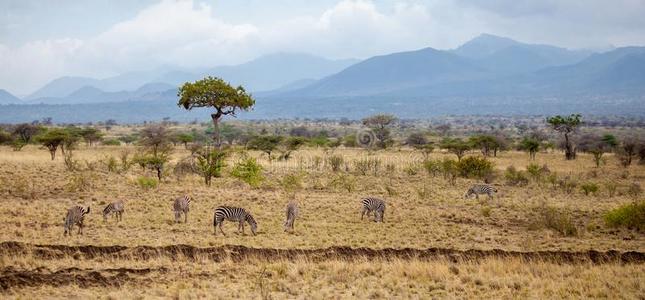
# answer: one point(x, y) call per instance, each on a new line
point(80, 182)
point(474, 167)
point(344, 181)
point(515, 177)
point(611, 186)
point(629, 215)
point(335, 162)
point(111, 142)
point(589, 188)
point(567, 184)
point(111, 164)
point(291, 182)
point(433, 167)
point(249, 171)
point(364, 166)
point(555, 219)
point(411, 170)
point(147, 183)
point(449, 170)
point(634, 190)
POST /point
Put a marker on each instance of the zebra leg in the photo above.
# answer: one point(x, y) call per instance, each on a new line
point(242, 226)
point(220, 228)
point(80, 228)
point(363, 213)
point(185, 217)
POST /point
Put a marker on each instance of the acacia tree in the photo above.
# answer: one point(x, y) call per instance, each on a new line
point(456, 147)
point(52, 139)
point(566, 126)
point(530, 145)
point(215, 93)
point(25, 132)
point(379, 124)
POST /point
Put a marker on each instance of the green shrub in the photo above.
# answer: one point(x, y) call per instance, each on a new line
point(335, 162)
point(450, 170)
point(629, 215)
point(249, 171)
point(291, 182)
point(474, 167)
point(557, 220)
point(364, 166)
point(611, 187)
point(411, 170)
point(589, 188)
point(534, 171)
point(433, 167)
point(111, 142)
point(344, 181)
point(567, 184)
point(111, 164)
point(147, 183)
point(515, 177)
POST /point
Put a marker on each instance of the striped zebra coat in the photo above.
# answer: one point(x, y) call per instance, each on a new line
point(375, 205)
point(480, 189)
point(234, 214)
point(75, 216)
point(116, 209)
point(292, 214)
point(181, 206)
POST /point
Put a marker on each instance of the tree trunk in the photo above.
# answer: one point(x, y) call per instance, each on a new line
point(216, 134)
point(569, 152)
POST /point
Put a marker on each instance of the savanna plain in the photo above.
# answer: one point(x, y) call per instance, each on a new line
point(544, 235)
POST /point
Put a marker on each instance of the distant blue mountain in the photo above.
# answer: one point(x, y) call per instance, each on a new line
point(8, 98)
point(264, 73)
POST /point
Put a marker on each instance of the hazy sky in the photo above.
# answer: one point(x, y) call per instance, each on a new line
point(44, 39)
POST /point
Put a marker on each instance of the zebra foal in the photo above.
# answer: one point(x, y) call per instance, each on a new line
point(116, 209)
point(292, 214)
point(75, 216)
point(375, 205)
point(181, 206)
point(480, 189)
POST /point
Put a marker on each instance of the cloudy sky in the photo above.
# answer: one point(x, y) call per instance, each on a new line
point(44, 39)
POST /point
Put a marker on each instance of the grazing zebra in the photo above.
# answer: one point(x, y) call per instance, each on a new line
point(376, 205)
point(480, 189)
point(75, 216)
point(292, 213)
point(114, 208)
point(181, 205)
point(233, 214)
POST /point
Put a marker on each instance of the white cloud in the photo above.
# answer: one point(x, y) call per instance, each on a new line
point(188, 34)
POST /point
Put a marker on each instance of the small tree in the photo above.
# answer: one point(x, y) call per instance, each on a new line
point(530, 145)
point(289, 145)
point(456, 146)
point(627, 151)
point(91, 135)
point(156, 142)
point(596, 146)
point(210, 163)
point(26, 132)
point(379, 124)
point(52, 139)
point(487, 143)
point(215, 93)
point(265, 143)
point(566, 126)
point(185, 138)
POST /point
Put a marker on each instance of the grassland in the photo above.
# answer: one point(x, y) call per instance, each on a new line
point(423, 212)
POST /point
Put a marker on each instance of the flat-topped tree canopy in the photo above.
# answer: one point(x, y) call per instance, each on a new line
point(218, 94)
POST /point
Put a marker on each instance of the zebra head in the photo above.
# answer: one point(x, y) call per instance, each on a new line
point(468, 193)
point(251, 221)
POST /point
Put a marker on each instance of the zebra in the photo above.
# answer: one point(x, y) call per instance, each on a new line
point(479, 189)
point(181, 205)
point(75, 216)
point(233, 214)
point(114, 208)
point(376, 205)
point(292, 213)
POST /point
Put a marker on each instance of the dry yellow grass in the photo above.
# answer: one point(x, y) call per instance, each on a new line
point(37, 191)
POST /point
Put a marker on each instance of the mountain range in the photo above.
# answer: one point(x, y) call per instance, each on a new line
point(487, 74)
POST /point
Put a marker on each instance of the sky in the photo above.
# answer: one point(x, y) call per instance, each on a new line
point(41, 40)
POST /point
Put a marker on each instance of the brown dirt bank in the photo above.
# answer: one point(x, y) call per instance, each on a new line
point(239, 253)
